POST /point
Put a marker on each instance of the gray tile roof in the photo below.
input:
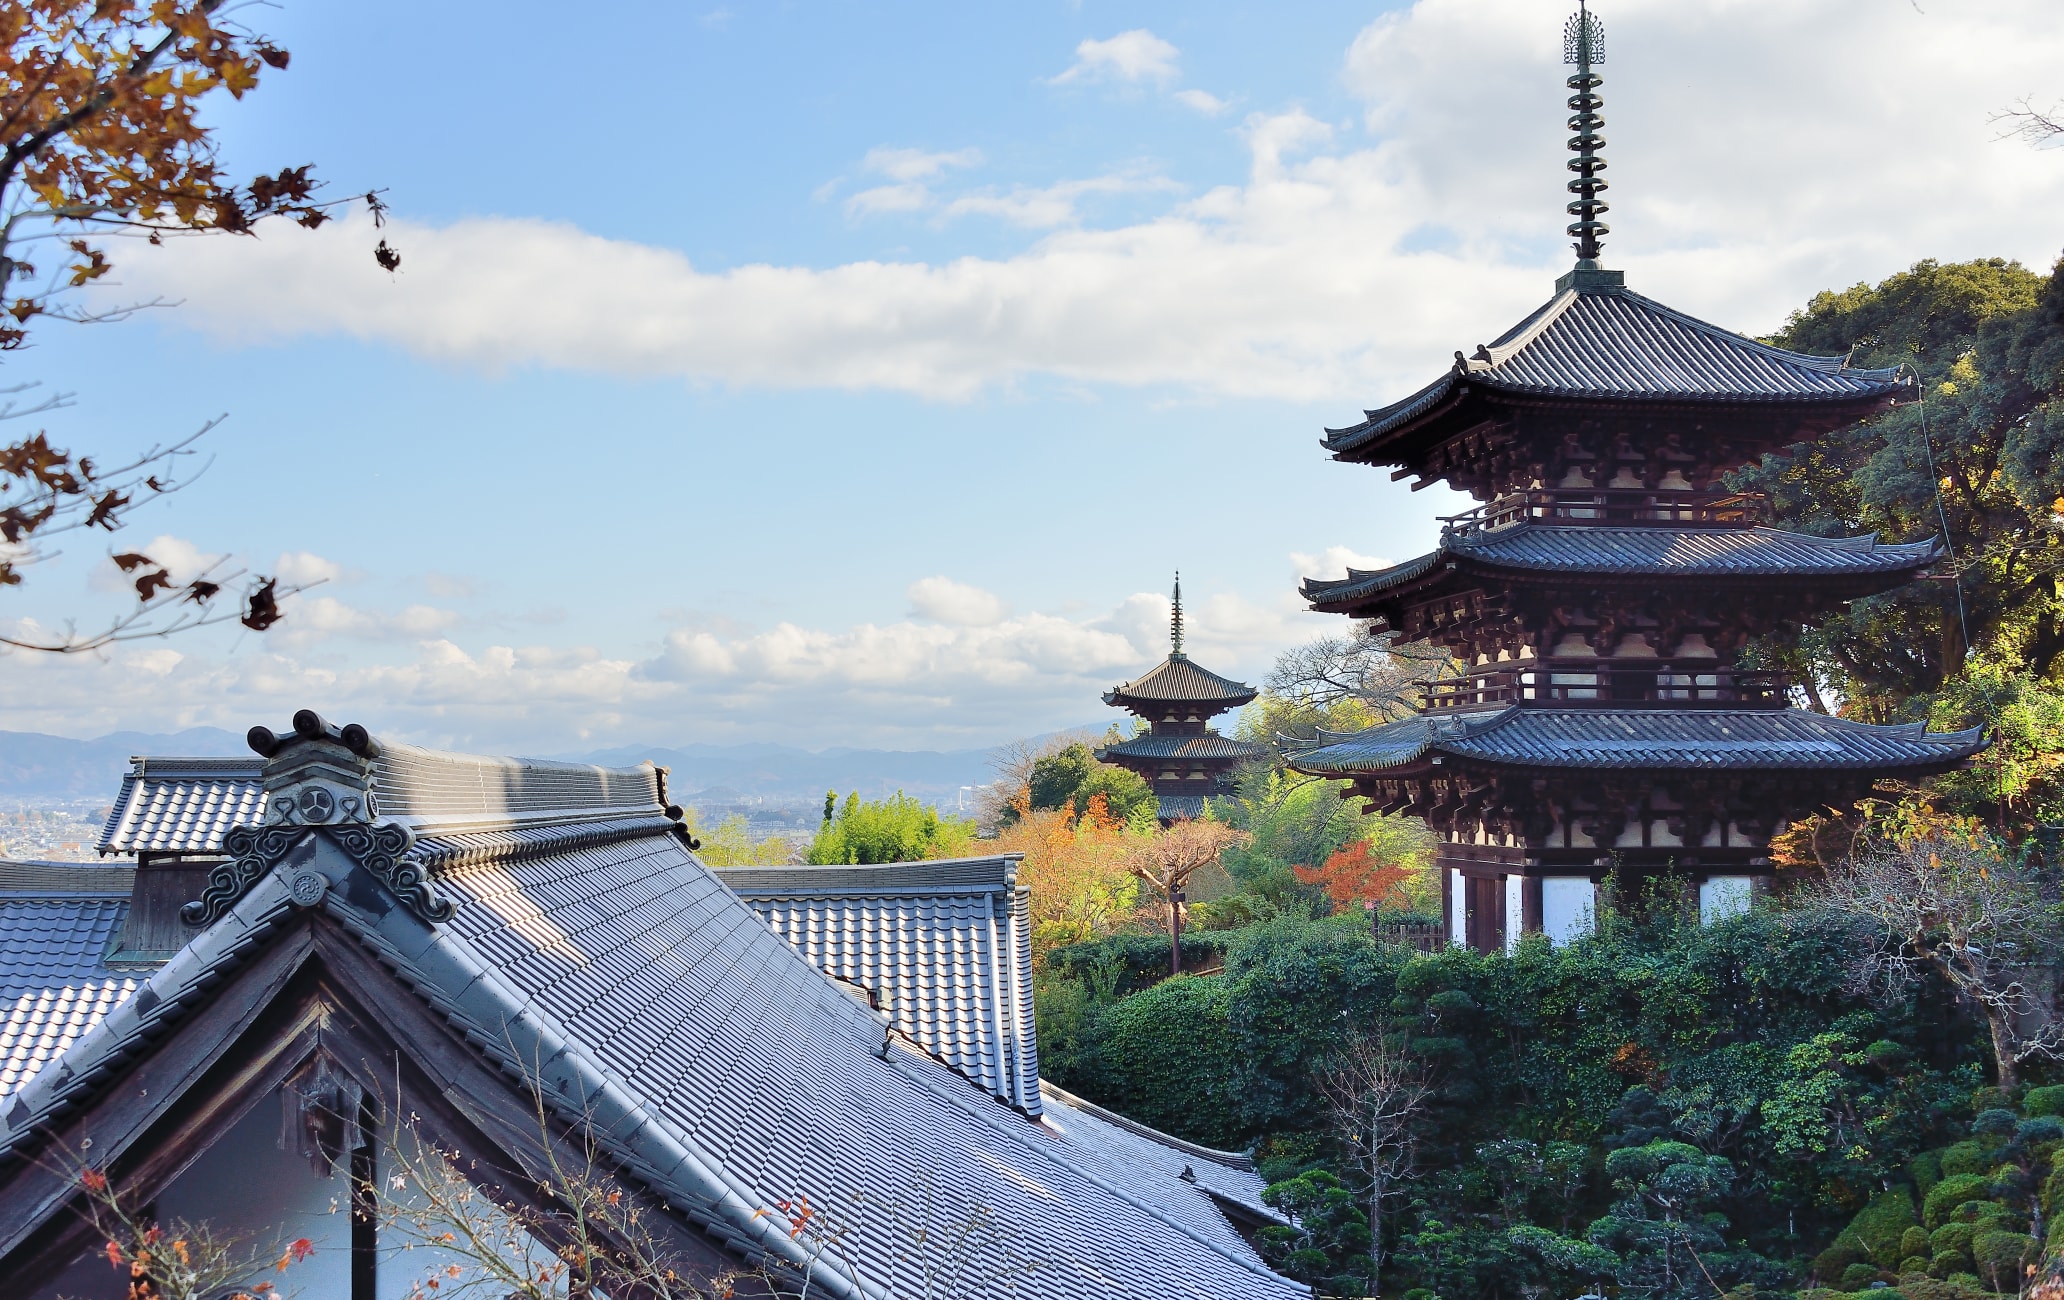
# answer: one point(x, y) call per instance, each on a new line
point(1177, 680)
point(714, 1062)
point(1173, 806)
point(57, 922)
point(183, 805)
point(1180, 747)
point(943, 947)
point(1693, 554)
point(1226, 1175)
point(1653, 739)
point(1609, 342)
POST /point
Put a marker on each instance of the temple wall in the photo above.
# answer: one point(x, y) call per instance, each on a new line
point(1720, 897)
point(1458, 909)
point(1569, 906)
point(1515, 908)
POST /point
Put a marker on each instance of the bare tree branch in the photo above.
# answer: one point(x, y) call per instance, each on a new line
point(1374, 1094)
point(2040, 127)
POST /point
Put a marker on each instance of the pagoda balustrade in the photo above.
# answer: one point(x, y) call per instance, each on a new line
point(1659, 507)
point(1686, 684)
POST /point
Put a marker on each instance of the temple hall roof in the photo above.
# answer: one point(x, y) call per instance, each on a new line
point(1688, 554)
point(183, 805)
point(1648, 739)
point(1597, 340)
point(555, 918)
point(943, 949)
point(1208, 746)
point(1179, 681)
point(57, 922)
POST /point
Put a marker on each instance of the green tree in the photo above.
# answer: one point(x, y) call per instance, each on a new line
point(1070, 777)
point(1986, 342)
point(896, 829)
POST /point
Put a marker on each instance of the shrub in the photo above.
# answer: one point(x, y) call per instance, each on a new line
point(2002, 1255)
point(2044, 1101)
point(1858, 1276)
point(1829, 1264)
point(1952, 1241)
point(1881, 1224)
point(1926, 1169)
point(1913, 1264)
point(1967, 1157)
point(1914, 1241)
point(1995, 1122)
point(1951, 1192)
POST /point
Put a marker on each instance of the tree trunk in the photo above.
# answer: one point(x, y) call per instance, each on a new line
point(1174, 933)
point(1376, 1239)
point(2002, 1031)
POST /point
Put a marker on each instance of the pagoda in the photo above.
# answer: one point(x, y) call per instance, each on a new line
point(1179, 754)
point(1601, 596)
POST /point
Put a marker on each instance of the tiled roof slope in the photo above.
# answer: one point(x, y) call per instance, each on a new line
point(57, 922)
point(1149, 745)
point(943, 947)
point(186, 805)
point(183, 805)
point(1177, 680)
point(1226, 1175)
point(717, 1065)
point(1610, 342)
point(1652, 739)
point(1680, 553)
point(1173, 807)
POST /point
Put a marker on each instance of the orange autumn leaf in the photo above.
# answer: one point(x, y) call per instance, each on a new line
point(1354, 875)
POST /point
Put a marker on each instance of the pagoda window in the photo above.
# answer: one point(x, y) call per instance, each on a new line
point(1198, 774)
point(1171, 774)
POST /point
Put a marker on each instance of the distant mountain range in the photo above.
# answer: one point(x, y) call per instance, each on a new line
point(55, 767)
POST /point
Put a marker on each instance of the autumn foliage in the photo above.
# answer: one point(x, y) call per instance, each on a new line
point(1076, 867)
point(1354, 874)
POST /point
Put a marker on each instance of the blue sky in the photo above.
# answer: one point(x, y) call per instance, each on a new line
point(856, 374)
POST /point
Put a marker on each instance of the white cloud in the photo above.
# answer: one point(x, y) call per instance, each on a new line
point(1750, 168)
point(917, 164)
point(1044, 207)
point(943, 600)
point(907, 170)
point(305, 569)
point(1334, 562)
point(179, 557)
point(966, 671)
point(1203, 101)
point(1137, 55)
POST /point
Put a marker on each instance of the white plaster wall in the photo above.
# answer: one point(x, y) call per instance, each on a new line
point(1568, 908)
point(1458, 909)
point(1723, 896)
point(1515, 910)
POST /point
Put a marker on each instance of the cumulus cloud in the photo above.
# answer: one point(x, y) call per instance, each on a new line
point(1334, 562)
point(1751, 166)
point(1137, 55)
point(1047, 206)
point(1203, 101)
point(965, 669)
point(305, 569)
point(907, 171)
point(182, 559)
point(943, 600)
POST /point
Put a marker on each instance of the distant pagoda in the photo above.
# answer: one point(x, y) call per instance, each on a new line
point(1602, 595)
point(1179, 755)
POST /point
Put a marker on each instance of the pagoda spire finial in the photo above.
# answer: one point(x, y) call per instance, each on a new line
point(1175, 619)
point(1583, 43)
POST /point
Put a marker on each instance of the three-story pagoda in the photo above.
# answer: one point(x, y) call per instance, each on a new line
point(1602, 595)
point(1179, 754)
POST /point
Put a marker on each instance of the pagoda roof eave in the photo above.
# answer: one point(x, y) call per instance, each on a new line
point(1613, 347)
point(1207, 747)
point(1541, 554)
point(1176, 680)
point(1660, 740)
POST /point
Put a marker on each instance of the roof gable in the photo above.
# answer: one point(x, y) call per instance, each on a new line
point(1176, 680)
point(588, 949)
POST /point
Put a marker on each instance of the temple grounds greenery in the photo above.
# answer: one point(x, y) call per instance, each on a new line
point(1767, 1106)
